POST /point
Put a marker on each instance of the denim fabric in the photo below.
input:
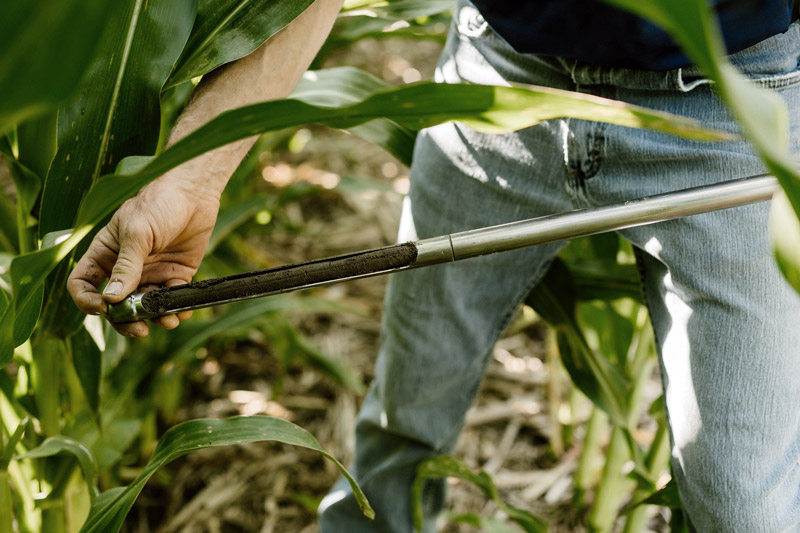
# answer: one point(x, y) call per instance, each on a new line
point(726, 322)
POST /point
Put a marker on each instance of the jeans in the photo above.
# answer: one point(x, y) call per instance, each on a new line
point(727, 325)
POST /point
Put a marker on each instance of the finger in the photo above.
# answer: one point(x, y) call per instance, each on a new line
point(87, 276)
point(86, 297)
point(132, 329)
point(134, 247)
point(167, 321)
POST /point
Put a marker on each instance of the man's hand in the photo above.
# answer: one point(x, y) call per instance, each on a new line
point(158, 238)
point(155, 239)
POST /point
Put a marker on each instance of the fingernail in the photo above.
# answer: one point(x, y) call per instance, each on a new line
point(113, 289)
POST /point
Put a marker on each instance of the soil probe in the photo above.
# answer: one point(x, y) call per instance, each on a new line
point(444, 249)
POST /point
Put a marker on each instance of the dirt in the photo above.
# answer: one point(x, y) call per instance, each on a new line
point(280, 279)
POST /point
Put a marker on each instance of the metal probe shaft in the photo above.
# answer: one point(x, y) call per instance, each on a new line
point(445, 248)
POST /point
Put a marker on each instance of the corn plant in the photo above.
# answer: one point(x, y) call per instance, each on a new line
point(83, 127)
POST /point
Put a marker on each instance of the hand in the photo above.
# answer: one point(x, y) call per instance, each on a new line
point(155, 239)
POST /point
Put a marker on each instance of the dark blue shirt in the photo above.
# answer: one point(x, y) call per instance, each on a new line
point(595, 32)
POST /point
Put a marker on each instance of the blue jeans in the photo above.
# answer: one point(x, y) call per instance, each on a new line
point(727, 325)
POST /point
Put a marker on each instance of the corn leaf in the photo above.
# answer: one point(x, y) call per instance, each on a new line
point(87, 360)
point(351, 28)
point(226, 30)
point(26, 182)
point(666, 497)
point(34, 77)
point(237, 317)
point(61, 444)
point(234, 216)
point(400, 9)
point(761, 113)
point(487, 108)
point(9, 240)
point(445, 466)
point(28, 309)
point(784, 229)
point(8, 451)
point(291, 345)
point(28, 272)
point(556, 300)
point(6, 328)
point(109, 510)
point(36, 142)
point(347, 85)
point(116, 113)
point(354, 26)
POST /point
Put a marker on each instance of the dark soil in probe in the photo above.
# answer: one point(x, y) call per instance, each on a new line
point(280, 279)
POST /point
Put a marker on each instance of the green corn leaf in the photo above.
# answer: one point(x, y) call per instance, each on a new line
point(400, 9)
point(6, 504)
point(36, 142)
point(34, 77)
point(666, 497)
point(347, 85)
point(605, 280)
point(555, 299)
point(761, 113)
point(236, 317)
point(184, 341)
point(109, 510)
point(234, 216)
point(291, 344)
point(613, 331)
point(487, 108)
point(784, 229)
point(352, 28)
point(596, 271)
point(87, 360)
point(9, 239)
point(26, 182)
point(116, 113)
point(60, 317)
point(444, 466)
point(28, 272)
point(6, 329)
point(11, 444)
point(61, 444)
point(28, 308)
point(26, 314)
point(226, 30)
point(467, 518)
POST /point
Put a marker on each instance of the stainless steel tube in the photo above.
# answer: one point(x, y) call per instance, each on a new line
point(589, 221)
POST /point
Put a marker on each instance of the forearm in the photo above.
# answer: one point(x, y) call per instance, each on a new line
point(269, 73)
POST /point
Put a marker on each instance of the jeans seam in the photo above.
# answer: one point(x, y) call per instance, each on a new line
point(778, 82)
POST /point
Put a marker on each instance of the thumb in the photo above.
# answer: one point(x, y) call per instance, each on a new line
point(127, 272)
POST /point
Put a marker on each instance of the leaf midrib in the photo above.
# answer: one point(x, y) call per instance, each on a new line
point(105, 138)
